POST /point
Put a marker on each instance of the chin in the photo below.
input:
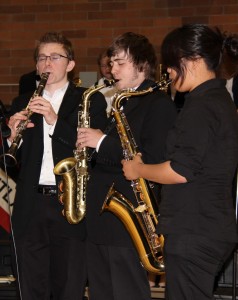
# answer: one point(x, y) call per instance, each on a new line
point(119, 86)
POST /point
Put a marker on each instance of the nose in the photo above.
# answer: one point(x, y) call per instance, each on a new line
point(47, 60)
point(113, 70)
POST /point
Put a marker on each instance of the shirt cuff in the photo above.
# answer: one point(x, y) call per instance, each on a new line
point(9, 143)
point(52, 129)
point(100, 141)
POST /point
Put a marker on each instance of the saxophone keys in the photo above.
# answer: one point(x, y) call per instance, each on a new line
point(61, 186)
point(141, 208)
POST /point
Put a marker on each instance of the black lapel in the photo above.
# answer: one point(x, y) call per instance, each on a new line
point(129, 105)
point(235, 90)
point(72, 96)
point(133, 101)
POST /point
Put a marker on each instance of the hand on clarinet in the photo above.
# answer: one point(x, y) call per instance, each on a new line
point(14, 122)
point(41, 106)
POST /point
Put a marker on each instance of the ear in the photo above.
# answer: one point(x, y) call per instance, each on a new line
point(70, 65)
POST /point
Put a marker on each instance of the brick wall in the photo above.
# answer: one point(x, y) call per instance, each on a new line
point(91, 26)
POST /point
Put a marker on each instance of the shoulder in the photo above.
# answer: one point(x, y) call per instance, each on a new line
point(21, 101)
point(73, 89)
point(97, 100)
point(159, 99)
point(27, 76)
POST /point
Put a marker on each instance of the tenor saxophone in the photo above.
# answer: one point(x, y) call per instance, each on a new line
point(74, 170)
point(10, 156)
point(139, 221)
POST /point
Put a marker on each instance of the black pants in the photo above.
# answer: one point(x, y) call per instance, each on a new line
point(50, 260)
point(192, 263)
point(115, 273)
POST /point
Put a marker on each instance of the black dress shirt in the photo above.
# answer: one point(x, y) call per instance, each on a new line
point(203, 147)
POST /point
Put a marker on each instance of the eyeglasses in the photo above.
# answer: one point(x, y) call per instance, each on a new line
point(52, 57)
point(105, 66)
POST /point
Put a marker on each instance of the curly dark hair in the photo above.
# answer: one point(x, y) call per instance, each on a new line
point(140, 50)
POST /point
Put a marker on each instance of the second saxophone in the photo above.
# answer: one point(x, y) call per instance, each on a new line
point(74, 170)
point(139, 221)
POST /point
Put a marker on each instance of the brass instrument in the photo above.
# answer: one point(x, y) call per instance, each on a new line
point(139, 221)
point(10, 156)
point(74, 170)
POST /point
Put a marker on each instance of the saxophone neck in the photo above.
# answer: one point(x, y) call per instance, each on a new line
point(106, 83)
point(93, 89)
point(161, 85)
point(117, 100)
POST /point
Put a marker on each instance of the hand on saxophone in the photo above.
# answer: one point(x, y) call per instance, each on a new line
point(41, 106)
point(131, 168)
point(88, 137)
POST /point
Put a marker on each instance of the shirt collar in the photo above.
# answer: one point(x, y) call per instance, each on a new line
point(62, 89)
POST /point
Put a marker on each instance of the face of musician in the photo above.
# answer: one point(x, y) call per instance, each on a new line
point(105, 67)
point(125, 71)
point(194, 73)
point(53, 58)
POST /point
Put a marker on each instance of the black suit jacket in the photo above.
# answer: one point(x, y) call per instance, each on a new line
point(27, 82)
point(149, 117)
point(63, 143)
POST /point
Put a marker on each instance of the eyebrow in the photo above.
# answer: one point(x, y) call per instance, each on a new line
point(117, 59)
point(52, 53)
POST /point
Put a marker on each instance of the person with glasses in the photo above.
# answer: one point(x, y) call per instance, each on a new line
point(50, 252)
point(105, 73)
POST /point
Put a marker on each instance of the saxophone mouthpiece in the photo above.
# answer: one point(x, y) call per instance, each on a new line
point(110, 82)
point(161, 85)
point(169, 81)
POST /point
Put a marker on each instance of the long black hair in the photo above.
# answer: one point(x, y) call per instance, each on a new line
point(193, 41)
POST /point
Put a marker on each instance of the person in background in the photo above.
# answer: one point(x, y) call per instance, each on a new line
point(114, 268)
point(50, 251)
point(105, 73)
point(229, 71)
point(28, 82)
point(197, 216)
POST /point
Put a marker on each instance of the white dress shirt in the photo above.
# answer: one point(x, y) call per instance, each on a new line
point(229, 84)
point(47, 176)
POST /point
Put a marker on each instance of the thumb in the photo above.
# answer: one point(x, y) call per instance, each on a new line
point(138, 158)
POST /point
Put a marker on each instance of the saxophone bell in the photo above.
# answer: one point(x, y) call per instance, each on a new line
point(67, 189)
point(149, 247)
point(74, 170)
